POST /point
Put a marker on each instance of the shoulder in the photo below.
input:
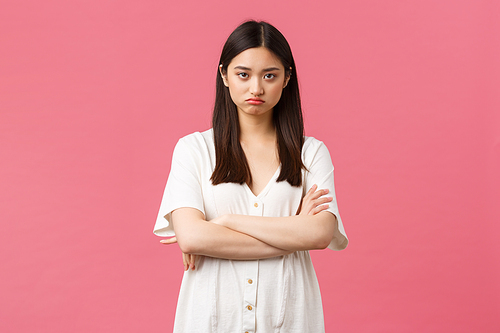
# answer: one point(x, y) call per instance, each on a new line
point(196, 137)
point(194, 149)
point(311, 143)
point(195, 141)
point(313, 151)
point(313, 146)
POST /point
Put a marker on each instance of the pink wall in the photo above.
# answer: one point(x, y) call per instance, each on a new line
point(94, 95)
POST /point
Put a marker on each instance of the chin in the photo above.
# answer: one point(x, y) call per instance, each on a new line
point(255, 110)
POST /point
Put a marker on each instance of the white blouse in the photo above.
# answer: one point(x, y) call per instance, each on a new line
point(279, 294)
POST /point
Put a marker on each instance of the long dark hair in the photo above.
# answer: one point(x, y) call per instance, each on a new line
point(231, 163)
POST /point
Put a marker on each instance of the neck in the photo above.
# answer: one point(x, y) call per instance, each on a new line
point(255, 127)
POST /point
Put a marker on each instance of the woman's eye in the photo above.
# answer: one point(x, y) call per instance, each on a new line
point(269, 76)
point(243, 75)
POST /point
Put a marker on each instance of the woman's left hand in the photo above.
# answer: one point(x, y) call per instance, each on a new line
point(188, 260)
point(171, 240)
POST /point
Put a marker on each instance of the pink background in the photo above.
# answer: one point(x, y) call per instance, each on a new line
point(94, 95)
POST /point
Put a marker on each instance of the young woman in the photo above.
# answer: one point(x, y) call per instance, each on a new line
point(247, 199)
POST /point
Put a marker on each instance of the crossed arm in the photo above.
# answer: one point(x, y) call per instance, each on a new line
point(293, 233)
point(242, 237)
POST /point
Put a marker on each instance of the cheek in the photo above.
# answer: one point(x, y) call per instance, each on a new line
point(235, 90)
point(234, 93)
point(276, 91)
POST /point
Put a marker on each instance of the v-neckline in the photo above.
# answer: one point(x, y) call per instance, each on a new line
point(268, 185)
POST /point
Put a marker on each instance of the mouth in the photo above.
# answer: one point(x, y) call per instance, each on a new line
point(254, 101)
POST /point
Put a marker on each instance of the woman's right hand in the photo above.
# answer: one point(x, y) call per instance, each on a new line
point(313, 202)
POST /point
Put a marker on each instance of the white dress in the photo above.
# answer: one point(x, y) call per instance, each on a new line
point(278, 294)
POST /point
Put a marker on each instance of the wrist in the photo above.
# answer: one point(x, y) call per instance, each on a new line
point(226, 220)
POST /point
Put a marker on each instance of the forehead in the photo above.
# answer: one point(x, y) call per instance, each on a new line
point(256, 58)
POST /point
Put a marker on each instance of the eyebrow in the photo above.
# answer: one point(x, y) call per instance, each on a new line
point(264, 70)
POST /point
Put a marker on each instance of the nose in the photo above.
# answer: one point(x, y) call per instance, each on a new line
point(256, 87)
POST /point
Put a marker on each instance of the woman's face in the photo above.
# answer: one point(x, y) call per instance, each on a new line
point(256, 78)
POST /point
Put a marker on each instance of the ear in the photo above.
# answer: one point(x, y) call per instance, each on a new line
point(223, 76)
point(287, 78)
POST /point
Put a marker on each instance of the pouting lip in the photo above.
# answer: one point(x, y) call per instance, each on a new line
point(255, 99)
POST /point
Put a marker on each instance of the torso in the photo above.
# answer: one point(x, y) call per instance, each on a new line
point(284, 294)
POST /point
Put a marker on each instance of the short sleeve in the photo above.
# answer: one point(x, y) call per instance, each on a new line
point(320, 172)
point(183, 187)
